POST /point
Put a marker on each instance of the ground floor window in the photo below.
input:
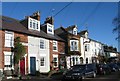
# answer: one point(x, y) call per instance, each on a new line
point(86, 60)
point(42, 61)
point(7, 59)
point(81, 60)
point(55, 60)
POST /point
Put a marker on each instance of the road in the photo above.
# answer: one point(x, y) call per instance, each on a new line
point(111, 77)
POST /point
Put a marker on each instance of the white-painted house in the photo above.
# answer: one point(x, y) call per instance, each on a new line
point(90, 49)
point(38, 50)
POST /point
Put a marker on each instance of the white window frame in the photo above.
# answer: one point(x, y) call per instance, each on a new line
point(51, 27)
point(55, 56)
point(87, 47)
point(33, 24)
point(75, 31)
point(73, 47)
point(43, 41)
point(42, 61)
point(9, 39)
point(8, 62)
point(55, 45)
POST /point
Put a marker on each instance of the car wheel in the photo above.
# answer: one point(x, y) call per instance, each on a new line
point(94, 75)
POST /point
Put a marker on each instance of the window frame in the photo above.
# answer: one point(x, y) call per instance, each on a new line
point(55, 61)
point(42, 61)
point(9, 39)
point(74, 45)
point(55, 45)
point(43, 43)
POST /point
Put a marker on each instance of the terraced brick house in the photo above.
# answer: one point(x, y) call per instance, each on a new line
point(56, 45)
point(72, 44)
point(39, 45)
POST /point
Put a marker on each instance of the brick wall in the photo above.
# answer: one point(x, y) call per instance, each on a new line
point(1, 48)
point(24, 39)
point(61, 50)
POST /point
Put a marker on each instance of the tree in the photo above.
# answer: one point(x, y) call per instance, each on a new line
point(116, 22)
point(19, 52)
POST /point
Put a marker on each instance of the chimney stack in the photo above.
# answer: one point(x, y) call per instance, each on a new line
point(36, 15)
point(49, 20)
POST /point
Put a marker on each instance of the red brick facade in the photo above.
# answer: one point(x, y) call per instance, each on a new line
point(59, 52)
point(23, 38)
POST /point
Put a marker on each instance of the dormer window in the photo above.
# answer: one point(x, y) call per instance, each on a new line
point(30, 23)
point(50, 28)
point(75, 31)
point(33, 24)
point(37, 25)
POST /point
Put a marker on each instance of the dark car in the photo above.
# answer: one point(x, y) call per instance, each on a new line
point(118, 64)
point(78, 72)
point(114, 67)
point(103, 69)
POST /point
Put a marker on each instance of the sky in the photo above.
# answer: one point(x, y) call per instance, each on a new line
point(97, 17)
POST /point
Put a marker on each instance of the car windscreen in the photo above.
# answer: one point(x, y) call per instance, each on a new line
point(78, 67)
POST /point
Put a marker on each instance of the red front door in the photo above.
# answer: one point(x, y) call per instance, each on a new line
point(22, 66)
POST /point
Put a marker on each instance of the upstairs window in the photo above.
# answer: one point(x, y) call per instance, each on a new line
point(75, 31)
point(74, 45)
point(42, 44)
point(87, 47)
point(55, 45)
point(50, 29)
point(33, 24)
point(9, 39)
point(37, 25)
point(30, 23)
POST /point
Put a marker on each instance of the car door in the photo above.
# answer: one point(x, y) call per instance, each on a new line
point(87, 71)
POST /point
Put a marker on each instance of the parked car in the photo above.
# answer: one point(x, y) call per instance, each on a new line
point(103, 69)
point(114, 67)
point(79, 72)
point(118, 63)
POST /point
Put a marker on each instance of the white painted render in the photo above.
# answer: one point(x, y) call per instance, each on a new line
point(35, 51)
point(95, 48)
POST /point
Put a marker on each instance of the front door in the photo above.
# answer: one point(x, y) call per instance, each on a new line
point(32, 65)
point(22, 66)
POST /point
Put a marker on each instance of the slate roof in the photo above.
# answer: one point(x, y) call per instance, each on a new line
point(63, 30)
point(82, 32)
point(15, 25)
point(70, 27)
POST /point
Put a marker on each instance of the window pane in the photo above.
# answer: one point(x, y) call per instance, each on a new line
point(8, 59)
point(42, 44)
point(31, 24)
point(49, 29)
point(54, 45)
point(42, 61)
